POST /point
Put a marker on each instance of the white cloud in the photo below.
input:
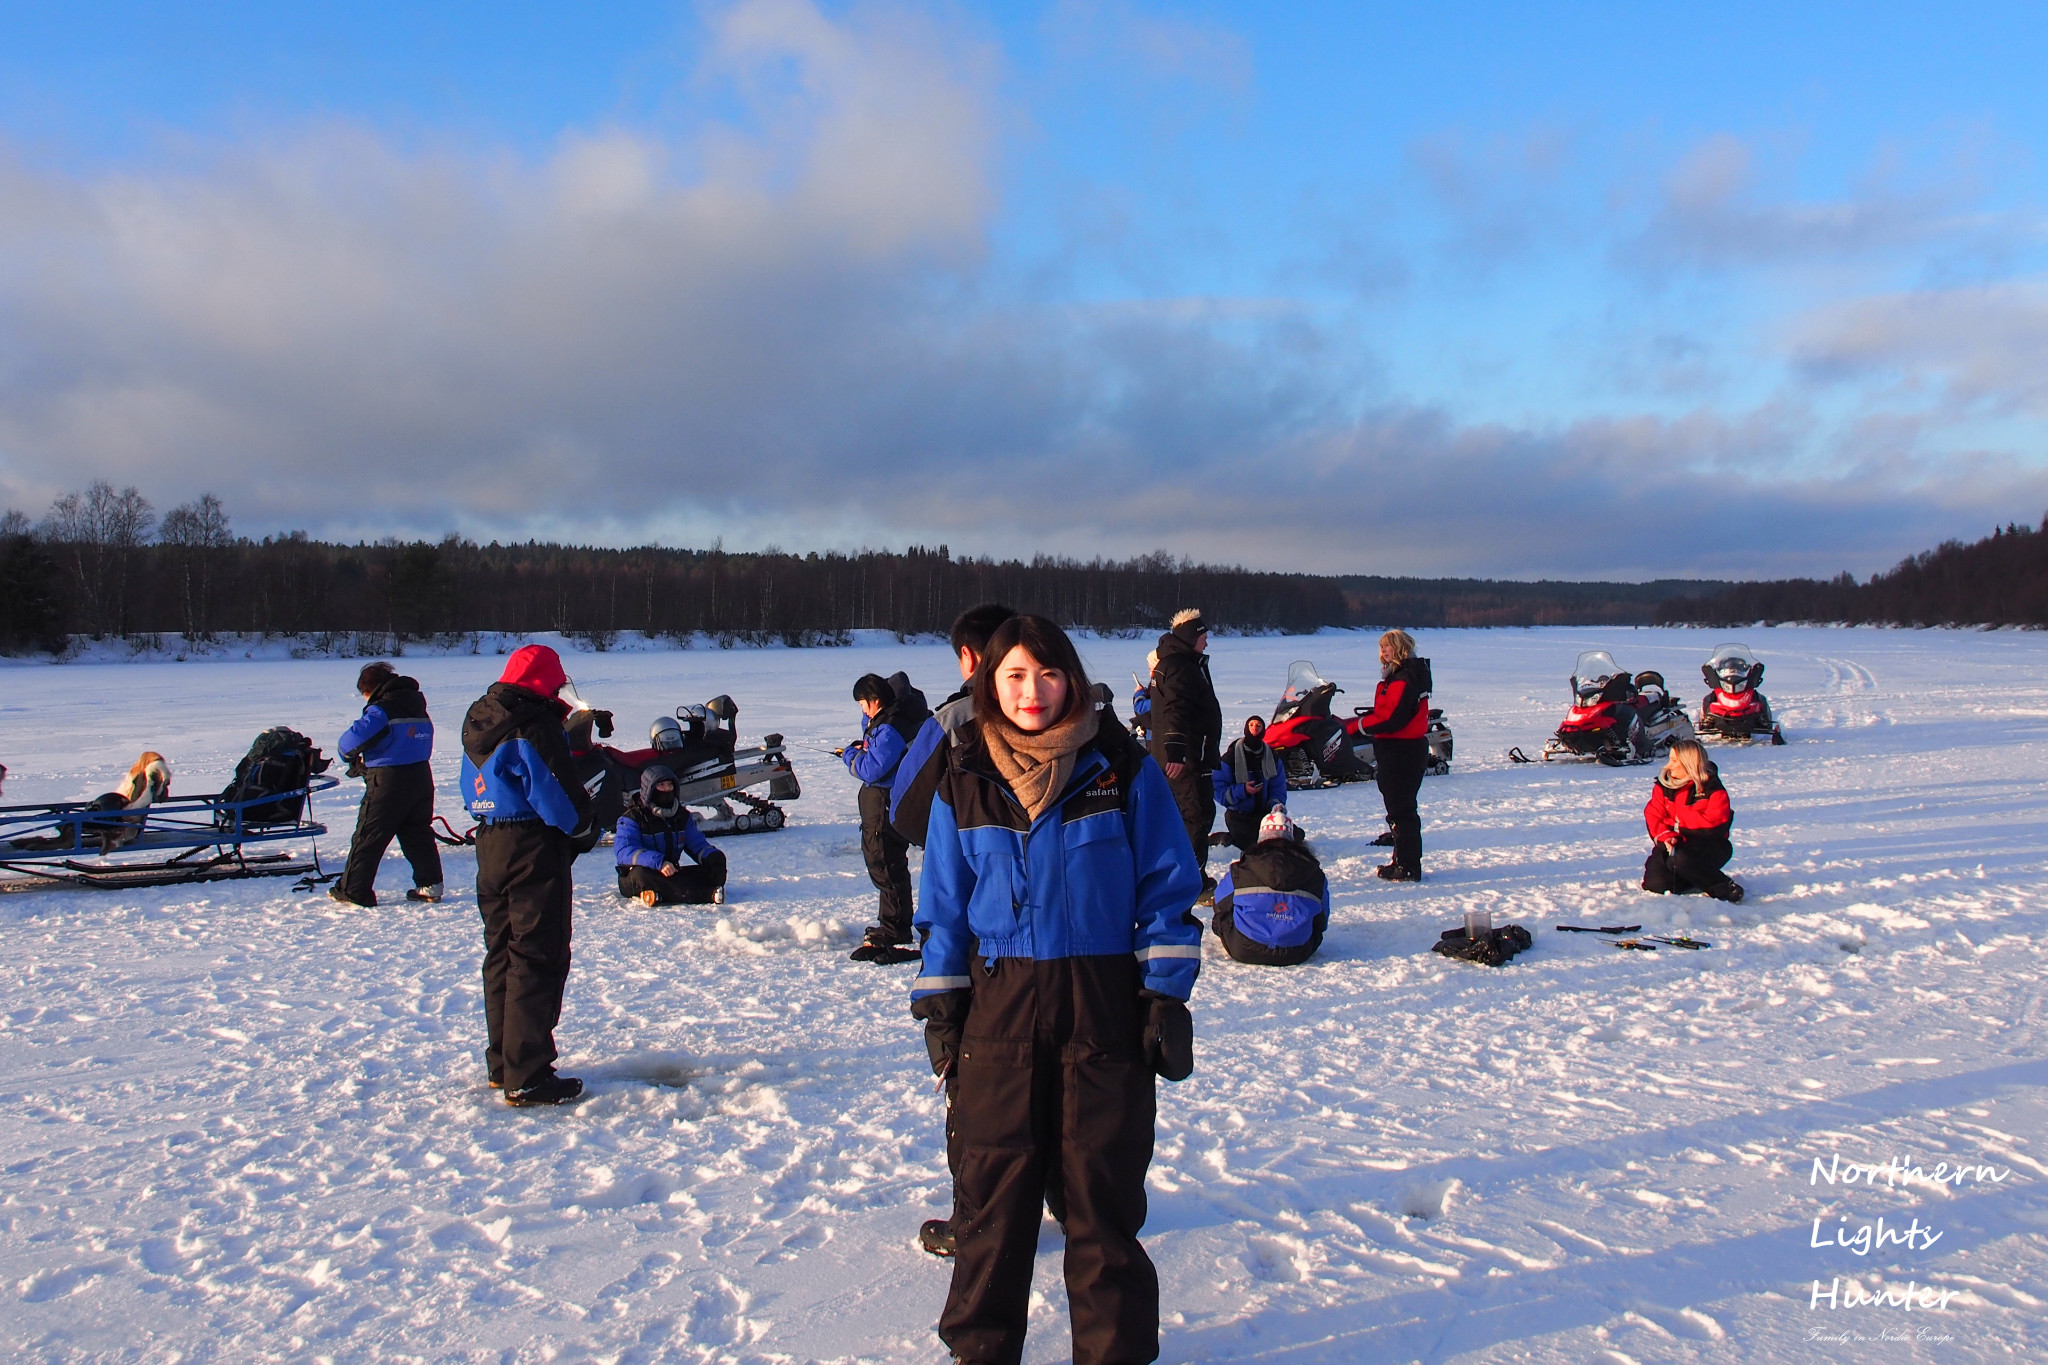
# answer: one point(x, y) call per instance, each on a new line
point(784, 327)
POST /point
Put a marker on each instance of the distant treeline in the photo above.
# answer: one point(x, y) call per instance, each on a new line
point(2001, 580)
point(1447, 602)
point(102, 564)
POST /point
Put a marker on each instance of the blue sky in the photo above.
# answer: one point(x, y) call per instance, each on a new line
point(1593, 290)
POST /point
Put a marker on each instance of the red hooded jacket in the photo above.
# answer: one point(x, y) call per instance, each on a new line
point(1686, 812)
point(1400, 705)
point(537, 668)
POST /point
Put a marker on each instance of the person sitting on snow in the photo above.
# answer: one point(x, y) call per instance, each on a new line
point(1273, 904)
point(1689, 817)
point(1250, 781)
point(655, 832)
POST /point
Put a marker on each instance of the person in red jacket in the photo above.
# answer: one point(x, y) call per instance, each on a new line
point(1399, 726)
point(1689, 817)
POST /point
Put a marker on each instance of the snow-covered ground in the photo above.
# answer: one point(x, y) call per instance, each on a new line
point(239, 1123)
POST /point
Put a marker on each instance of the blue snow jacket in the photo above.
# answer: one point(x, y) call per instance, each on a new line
point(394, 729)
point(1276, 895)
point(1106, 870)
point(873, 761)
point(887, 736)
point(516, 763)
point(917, 775)
point(645, 839)
point(1239, 769)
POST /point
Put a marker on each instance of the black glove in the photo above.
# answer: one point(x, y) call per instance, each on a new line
point(586, 836)
point(1169, 1036)
point(604, 724)
point(355, 767)
point(945, 1021)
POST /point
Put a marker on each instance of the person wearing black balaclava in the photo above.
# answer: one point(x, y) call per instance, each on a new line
point(1250, 781)
point(1187, 728)
point(655, 832)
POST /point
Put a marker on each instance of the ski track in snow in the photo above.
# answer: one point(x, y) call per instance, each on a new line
point(240, 1123)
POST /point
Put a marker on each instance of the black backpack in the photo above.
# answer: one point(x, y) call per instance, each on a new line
point(279, 764)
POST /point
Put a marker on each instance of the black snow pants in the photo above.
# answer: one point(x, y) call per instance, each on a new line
point(1053, 1079)
point(888, 858)
point(1244, 828)
point(524, 893)
point(396, 801)
point(1694, 864)
point(1257, 954)
point(1195, 798)
point(1401, 763)
point(692, 883)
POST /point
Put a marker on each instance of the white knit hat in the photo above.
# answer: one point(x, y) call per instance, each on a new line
point(1276, 825)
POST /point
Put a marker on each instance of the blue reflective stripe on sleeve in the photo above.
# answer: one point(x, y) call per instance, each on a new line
point(941, 983)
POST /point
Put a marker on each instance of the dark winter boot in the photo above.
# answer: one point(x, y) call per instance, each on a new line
point(1730, 891)
point(936, 1236)
point(1394, 872)
point(549, 1089)
point(884, 949)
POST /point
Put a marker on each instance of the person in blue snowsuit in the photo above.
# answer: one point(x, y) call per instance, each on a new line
point(1273, 904)
point(1250, 780)
point(389, 747)
point(533, 818)
point(649, 843)
point(893, 712)
point(1058, 958)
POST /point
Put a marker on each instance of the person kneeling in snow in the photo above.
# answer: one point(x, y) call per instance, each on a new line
point(655, 832)
point(1250, 783)
point(1689, 817)
point(1273, 904)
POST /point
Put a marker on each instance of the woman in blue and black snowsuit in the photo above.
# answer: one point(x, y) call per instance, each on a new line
point(655, 832)
point(1250, 781)
point(1058, 958)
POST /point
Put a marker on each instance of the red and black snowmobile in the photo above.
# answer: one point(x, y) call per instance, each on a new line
point(1615, 718)
point(1734, 711)
point(698, 745)
point(1321, 749)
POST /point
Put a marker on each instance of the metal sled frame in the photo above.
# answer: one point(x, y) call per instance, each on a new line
point(731, 809)
point(195, 838)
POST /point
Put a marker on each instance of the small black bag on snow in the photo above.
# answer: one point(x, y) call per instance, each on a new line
point(278, 765)
point(1493, 951)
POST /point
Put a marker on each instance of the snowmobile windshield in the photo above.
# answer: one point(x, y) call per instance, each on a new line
point(1733, 657)
point(1595, 666)
point(1302, 679)
point(568, 693)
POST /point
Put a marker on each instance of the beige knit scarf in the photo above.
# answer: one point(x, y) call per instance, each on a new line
point(1037, 766)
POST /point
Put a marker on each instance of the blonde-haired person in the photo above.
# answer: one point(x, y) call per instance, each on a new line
point(1399, 726)
point(1689, 817)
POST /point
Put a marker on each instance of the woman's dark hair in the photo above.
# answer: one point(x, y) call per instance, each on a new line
point(1042, 640)
point(874, 687)
point(373, 676)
